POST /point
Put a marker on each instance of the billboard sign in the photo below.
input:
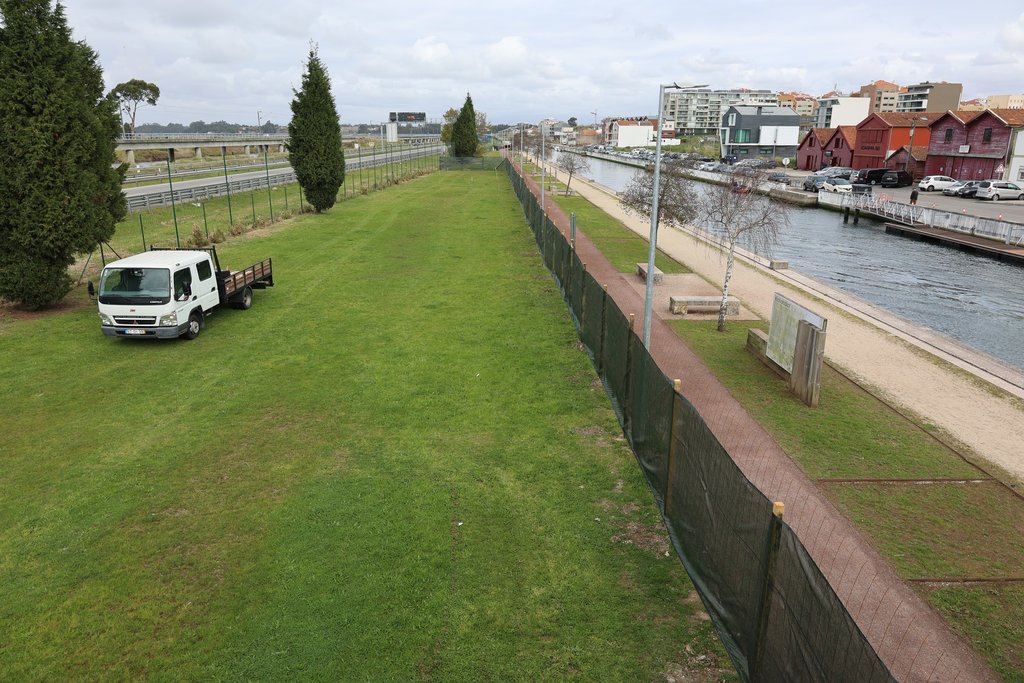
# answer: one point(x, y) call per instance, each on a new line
point(786, 317)
point(408, 116)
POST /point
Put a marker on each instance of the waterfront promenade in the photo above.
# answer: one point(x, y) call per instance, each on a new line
point(917, 370)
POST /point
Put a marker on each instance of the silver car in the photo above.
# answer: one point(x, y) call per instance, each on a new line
point(999, 189)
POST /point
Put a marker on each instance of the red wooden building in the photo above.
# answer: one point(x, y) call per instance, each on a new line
point(880, 134)
point(838, 149)
point(810, 153)
point(972, 145)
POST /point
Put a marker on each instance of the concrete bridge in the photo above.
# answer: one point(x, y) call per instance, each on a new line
point(197, 141)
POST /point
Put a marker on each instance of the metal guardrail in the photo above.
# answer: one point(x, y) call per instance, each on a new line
point(163, 198)
point(217, 189)
point(159, 173)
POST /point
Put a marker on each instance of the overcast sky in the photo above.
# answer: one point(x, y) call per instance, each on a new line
point(226, 59)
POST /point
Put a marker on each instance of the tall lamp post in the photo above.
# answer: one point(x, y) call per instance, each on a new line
point(910, 150)
point(653, 239)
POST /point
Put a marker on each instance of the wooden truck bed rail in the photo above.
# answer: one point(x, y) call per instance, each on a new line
point(258, 275)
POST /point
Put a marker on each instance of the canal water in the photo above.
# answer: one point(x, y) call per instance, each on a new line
point(976, 300)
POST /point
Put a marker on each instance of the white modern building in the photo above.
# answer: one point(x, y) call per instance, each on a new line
point(699, 110)
point(631, 133)
point(838, 110)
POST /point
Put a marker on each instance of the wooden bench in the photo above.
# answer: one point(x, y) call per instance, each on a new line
point(641, 270)
point(702, 304)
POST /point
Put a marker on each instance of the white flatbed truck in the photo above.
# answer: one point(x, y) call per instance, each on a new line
point(167, 293)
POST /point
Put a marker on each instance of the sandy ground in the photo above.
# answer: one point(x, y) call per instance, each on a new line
point(893, 358)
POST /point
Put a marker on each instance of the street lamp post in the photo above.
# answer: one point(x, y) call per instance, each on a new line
point(910, 150)
point(653, 239)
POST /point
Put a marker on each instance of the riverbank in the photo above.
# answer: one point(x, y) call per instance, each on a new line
point(972, 399)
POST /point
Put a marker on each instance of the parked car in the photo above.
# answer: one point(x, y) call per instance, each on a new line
point(841, 185)
point(729, 159)
point(813, 183)
point(999, 189)
point(837, 172)
point(896, 179)
point(951, 190)
point(870, 176)
point(930, 183)
point(708, 166)
point(968, 190)
point(778, 177)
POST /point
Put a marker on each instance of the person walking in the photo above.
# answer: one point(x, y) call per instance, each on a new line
point(913, 197)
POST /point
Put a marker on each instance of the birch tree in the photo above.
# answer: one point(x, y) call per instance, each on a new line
point(734, 217)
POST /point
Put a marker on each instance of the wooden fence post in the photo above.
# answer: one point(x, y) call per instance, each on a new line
point(624, 400)
point(604, 324)
point(764, 611)
point(677, 387)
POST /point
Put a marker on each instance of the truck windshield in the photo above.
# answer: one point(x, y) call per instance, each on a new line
point(135, 286)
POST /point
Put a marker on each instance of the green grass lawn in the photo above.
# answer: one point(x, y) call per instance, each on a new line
point(942, 530)
point(398, 466)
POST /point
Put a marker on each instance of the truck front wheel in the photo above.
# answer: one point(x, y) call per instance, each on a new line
point(195, 325)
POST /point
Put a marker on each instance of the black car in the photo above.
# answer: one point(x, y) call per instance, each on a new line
point(871, 176)
point(729, 159)
point(896, 179)
point(968, 190)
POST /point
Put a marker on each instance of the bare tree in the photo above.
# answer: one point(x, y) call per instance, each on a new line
point(677, 202)
point(573, 164)
point(737, 214)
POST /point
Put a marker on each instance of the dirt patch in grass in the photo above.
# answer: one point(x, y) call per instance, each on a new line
point(75, 300)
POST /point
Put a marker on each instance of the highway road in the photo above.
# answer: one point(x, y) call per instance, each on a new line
point(158, 194)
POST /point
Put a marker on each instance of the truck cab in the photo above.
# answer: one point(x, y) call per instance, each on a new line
point(163, 294)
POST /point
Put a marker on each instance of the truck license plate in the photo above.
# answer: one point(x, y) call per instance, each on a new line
point(135, 332)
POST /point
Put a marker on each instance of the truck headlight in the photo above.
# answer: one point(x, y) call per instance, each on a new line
point(106, 320)
point(169, 319)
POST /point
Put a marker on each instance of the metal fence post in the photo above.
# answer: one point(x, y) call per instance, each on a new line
point(677, 387)
point(774, 540)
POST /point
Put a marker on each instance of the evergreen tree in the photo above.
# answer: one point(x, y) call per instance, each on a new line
point(59, 193)
point(464, 140)
point(314, 146)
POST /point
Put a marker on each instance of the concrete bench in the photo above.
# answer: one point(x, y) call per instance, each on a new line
point(702, 304)
point(641, 270)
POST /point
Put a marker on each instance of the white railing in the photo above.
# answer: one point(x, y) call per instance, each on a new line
point(991, 228)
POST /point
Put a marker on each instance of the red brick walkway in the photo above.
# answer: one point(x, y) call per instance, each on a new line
point(912, 640)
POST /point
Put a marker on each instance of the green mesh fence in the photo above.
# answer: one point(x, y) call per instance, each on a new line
point(719, 524)
point(614, 360)
point(776, 614)
point(592, 324)
point(809, 635)
point(575, 290)
point(470, 163)
point(650, 424)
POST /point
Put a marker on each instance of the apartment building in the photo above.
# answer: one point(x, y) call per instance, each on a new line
point(930, 97)
point(1004, 102)
point(805, 106)
point(700, 110)
point(883, 95)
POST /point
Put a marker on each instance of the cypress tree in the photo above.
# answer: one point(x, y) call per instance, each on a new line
point(314, 145)
point(464, 140)
point(59, 192)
